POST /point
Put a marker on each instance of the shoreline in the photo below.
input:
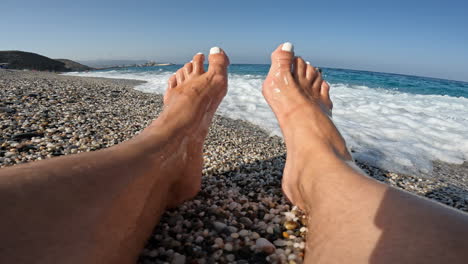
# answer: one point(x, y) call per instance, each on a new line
point(241, 199)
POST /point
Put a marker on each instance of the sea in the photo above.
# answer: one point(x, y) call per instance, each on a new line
point(395, 122)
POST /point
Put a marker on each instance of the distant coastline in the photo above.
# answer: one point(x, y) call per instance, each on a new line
point(148, 64)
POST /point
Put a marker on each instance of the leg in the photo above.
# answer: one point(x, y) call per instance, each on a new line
point(101, 207)
point(352, 218)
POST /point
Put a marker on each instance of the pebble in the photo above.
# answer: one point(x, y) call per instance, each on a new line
point(255, 235)
point(244, 233)
point(9, 154)
point(178, 259)
point(263, 245)
point(230, 257)
point(290, 225)
point(228, 247)
point(270, 230)
point(232, 229)
point(218, 226)
point(219, 242)
point(280, 243)
point(199, 239)
point(246, 221)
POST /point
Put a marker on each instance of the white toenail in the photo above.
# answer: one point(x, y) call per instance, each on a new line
point(191, 61)
point(288, 46)
point(308, 63)
point(215, 50)
point(200, 53)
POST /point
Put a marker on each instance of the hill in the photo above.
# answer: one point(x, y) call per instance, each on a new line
point(74, 66)
point(27, 60)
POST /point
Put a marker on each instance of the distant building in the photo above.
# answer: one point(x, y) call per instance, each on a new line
point(3, 65)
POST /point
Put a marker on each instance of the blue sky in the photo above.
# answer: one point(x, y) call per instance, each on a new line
point(428, 38)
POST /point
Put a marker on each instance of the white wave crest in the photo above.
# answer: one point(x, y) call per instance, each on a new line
point(396, 131)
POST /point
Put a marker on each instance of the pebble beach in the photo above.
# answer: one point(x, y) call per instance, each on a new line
point(239, 216)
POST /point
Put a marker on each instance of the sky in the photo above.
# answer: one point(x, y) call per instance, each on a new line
point(425, 38)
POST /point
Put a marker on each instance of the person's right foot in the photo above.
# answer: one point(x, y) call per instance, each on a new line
point(300, 100)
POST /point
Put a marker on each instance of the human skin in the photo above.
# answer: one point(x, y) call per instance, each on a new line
point(101, 207)
point(351, 217)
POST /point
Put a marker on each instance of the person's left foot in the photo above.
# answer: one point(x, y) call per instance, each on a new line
point(190, 103)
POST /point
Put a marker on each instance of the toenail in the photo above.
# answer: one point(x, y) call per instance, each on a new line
point(191, 61)
point(288, 46)
point(308, 63)
point(215, 50)
point(200, 53)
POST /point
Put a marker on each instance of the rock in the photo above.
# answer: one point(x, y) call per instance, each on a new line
point(280, 243)
point(230, 257)
point(255, 235)
point(233, 205)
point(270, 230)
point(290, 225)
point(263, 245)
point(178, 259)
point(199, 239)
point(246, 221)
point(219, 242)
point(218, 226)
point(244, 233)
point(228, 247)
point(232, 229)
point(9, 154)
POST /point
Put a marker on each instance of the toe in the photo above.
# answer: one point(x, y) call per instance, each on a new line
point(282, 57)
point(218, 61)
point(299, 70)
point(188, 68)
point(172, 82)
point(325, 95)
point(316, 85)
point(180, 76)
point(197, 62)
point(310, 72)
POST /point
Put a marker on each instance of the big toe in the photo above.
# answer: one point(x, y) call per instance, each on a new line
point(218, 61)
point(282, 57)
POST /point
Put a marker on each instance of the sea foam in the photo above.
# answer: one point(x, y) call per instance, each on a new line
point(397, 131)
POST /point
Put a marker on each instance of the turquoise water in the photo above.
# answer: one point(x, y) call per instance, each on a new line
point(389, 81)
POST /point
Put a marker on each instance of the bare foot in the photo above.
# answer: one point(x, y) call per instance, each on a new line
point(190, 103)
point(300, 100)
